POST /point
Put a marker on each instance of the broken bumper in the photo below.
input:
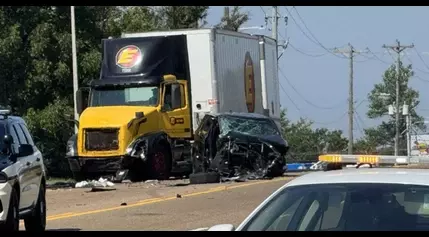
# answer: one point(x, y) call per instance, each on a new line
point(95, 165)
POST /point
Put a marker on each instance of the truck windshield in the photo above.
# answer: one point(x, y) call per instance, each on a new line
point(134, 96)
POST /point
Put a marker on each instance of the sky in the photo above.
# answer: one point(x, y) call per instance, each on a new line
point(318, 80)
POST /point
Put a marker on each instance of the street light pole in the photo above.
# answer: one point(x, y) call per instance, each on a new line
point(74, 59)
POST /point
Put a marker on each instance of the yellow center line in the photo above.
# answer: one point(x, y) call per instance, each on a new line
point(157, 200)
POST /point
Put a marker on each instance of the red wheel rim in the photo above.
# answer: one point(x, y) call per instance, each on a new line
point(159, 162)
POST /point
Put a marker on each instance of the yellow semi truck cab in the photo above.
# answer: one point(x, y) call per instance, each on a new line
point(136, 114)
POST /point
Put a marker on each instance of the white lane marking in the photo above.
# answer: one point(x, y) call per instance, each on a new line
point(201, 229)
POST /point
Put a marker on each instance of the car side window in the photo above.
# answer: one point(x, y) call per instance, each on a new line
point(14, 135)
point(178, 95)
point(21, 136)
point(27, 134)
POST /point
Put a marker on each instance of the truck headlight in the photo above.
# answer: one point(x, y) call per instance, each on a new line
point(3, 177)
point(70, 150)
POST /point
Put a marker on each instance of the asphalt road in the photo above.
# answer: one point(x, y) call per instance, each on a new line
point(223, 204)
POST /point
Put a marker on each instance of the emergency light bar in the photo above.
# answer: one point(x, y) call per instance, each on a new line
point(373, 159)
point(4, 113)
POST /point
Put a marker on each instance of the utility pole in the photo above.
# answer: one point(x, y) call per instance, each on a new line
point(74, 59)
point(275, 26)
point(349, 52)
point(398, 48)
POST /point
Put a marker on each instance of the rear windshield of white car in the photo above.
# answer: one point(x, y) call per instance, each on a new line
point(345, 207)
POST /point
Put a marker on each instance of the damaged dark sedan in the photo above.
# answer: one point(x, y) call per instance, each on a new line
point(240, 146)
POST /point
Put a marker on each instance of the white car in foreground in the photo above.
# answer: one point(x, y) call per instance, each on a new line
point(363, 199)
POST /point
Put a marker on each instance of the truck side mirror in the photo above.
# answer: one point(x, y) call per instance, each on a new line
point(176, 96)
point(82, 96)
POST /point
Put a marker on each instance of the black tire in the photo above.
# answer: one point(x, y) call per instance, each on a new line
point(204, 178)
point(36, 222)
point(136, 172)
point(12, 219)
point(159, 163)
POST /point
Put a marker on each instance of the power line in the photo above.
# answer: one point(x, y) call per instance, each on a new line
point(421, 59)
point(307, 101)
point(315, 40)
point(307, 54)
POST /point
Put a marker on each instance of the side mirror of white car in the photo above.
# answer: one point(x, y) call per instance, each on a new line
point(222, 227)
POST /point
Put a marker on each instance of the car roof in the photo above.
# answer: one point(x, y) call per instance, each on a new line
point(11, 119)
point(364, 175)
point(241, 115)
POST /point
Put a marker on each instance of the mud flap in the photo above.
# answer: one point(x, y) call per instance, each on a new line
point(120, 176)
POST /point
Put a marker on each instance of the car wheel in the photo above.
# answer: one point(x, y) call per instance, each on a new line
point(159, 163)
point(12, 219)
point(204, 178)
point(37, 221)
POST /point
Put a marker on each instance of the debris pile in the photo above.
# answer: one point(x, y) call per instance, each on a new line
point(100, 183)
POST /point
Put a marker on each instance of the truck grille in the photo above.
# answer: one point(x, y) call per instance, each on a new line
point(105, 139)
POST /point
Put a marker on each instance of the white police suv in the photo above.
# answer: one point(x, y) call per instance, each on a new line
point(22, 177)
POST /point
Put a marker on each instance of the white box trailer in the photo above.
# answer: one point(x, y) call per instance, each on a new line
point(225, 72)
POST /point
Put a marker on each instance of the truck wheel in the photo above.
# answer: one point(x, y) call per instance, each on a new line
point(136, 171)
point(37, 221)
point(204, 178)
point(159, 163)
point(12, 218)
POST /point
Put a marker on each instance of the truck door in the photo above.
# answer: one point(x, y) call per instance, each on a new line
point(175, 110)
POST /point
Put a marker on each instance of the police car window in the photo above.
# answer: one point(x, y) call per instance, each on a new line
point(27, 134)
point(2, 130)
point(21, 135)
point(14, 135)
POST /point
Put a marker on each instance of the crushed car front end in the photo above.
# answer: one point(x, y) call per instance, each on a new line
point(242, 147)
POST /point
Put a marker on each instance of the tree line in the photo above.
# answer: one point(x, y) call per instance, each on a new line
point(36, 72)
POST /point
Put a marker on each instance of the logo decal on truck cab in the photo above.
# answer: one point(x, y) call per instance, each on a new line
point(128, 57)
point(249, 83)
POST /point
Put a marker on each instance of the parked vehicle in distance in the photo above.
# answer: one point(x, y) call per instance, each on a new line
point(364, 199)
point(240, 145)
point(22, 177)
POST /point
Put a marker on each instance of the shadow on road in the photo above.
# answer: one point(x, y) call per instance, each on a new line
point(65, 229)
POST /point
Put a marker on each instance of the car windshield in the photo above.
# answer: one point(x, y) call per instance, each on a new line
point(135, 96)
point(250, 126)
point(345, 207)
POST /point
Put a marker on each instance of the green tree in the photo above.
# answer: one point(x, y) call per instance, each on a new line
point(305, 143)
point(383, 135)
point(234, 20)
point(182, 17)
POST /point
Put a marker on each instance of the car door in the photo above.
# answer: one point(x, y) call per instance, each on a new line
point(37, 165)
point(176, 118)
point(25, 172)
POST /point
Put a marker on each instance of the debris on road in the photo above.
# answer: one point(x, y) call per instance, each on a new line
point(95, 183)
point(102, 189)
